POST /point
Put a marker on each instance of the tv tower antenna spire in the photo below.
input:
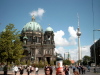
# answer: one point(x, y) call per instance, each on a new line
point(78, 19)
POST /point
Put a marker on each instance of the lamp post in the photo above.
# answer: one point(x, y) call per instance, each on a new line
point(82, 54)
point(94, 44)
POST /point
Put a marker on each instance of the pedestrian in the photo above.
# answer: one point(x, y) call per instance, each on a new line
point(45, 67)
point(5, 69)
point(66, 70)
point(76, 72)
point(84, 68)
point(21, 70)
point(89, 68)
point(31, 69)
point(74, 68)
point(48, 71)
point(15, 69)
point(36, 70)
point(79, 69)
point(28, 70)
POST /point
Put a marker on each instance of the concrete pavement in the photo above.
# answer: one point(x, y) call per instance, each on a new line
point(41, 72)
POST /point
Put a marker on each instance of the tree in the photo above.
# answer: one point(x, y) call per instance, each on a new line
point(10, 45)
point(86, 59)
point(79, 62)
point(66, 62)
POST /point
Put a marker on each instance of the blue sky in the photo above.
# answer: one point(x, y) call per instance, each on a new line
point(62, 17)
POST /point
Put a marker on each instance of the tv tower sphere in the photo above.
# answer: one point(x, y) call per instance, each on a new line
point(78, 32)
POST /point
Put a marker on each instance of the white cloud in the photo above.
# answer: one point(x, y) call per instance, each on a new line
point(73, 36)
point(72, 32)
point(60, 50)
point(38, 13)
point(59, 40)
point(85, 50)
point(74, 54)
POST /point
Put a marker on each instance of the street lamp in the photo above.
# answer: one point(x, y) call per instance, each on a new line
point(82, 54)
point(94, 44)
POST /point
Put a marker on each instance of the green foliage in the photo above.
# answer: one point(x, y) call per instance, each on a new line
point(23, 62)
point(66, 62)
point(17, 62)
point(45, 62)
point(10, 46)
point(86, 59)
point(52, 63)
point(41, 62)
point(28, 62)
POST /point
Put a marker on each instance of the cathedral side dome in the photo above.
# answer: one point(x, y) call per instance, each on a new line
point(32, 26)
point(49, 29)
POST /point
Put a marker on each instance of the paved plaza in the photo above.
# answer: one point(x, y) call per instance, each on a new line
point(41, 72)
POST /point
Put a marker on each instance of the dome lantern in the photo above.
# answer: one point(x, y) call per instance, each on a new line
point(33, 18)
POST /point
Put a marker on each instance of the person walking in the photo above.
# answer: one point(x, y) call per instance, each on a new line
point(31, 69)
point(89, 68)
point(84, 68)
point(79, 69)
point(36, 69)
point(21, 70)
point(66, 70)
point(15, 69)
point(76, 72)
point(5, 69)
point(28, 70)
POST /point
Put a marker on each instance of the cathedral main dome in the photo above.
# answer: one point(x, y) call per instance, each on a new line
point(32, 26)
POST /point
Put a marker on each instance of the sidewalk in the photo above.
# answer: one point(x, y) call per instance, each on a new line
point(41, 72)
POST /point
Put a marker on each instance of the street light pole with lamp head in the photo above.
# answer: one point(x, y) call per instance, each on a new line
point(94, 44)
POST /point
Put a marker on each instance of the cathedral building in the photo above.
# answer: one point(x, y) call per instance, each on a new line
point(38, 44)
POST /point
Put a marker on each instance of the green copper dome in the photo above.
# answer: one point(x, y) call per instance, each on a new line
point(32, 26)
point(49, 29)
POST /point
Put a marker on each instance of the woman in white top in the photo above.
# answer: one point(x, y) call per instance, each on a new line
point(15, 69)
point(36, 69)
